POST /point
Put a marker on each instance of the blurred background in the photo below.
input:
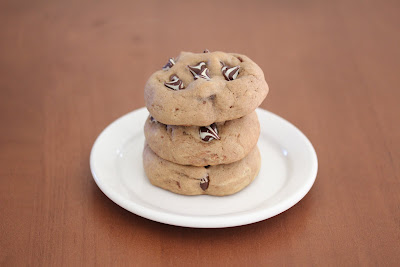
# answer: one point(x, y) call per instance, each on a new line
point(69, 68)
point(85, 49)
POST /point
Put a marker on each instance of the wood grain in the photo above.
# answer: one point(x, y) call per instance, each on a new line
point(69, 68)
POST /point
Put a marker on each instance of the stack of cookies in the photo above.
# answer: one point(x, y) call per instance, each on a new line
point(202, 131)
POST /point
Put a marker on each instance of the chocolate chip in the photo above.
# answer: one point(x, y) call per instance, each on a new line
point(200, 71)
point(175, 83)
point(169, 64)
point(208, 133)
point(204, 182)
point(152, 119)
point(230, 74)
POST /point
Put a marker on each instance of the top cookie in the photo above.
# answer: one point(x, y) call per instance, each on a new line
point(200, 89)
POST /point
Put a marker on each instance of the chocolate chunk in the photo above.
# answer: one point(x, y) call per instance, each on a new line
point(206, 51)
point(204, 182)
point(152, 119)
point(208, 166)
point(200, 71)
point(208, 133)
point(230, 73)
point(175, 83)
point(169, 64)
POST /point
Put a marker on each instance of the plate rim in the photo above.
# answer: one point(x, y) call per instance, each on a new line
point(209, 221)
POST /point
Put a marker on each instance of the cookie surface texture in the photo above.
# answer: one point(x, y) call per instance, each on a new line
point(184, 145)
point(219, 180)
point(202, 88)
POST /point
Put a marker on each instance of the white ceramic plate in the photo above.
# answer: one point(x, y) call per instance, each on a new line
point(288, 170)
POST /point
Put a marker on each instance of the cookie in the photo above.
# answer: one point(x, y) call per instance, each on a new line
point(219, 143)
point(200, 89)
point(219, 180)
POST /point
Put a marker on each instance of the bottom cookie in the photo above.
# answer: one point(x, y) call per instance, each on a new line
point(218, 180)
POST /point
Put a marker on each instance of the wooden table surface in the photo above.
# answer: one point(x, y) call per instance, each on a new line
point(69, 68)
